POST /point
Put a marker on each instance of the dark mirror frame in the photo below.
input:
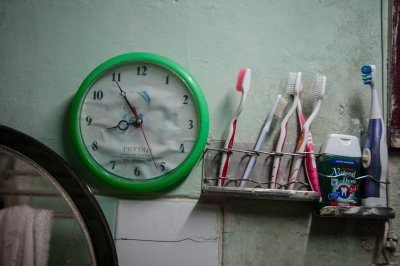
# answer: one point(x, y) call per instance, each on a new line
point(81, 195)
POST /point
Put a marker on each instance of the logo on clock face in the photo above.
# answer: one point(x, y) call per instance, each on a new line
point(145, 97)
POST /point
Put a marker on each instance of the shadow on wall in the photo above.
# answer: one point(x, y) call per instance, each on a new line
point(288, 233)
point(330, 238)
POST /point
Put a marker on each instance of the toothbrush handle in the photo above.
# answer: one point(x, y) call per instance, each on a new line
point(277, 158)
point(297, 159)
point(301, 145)
point(311, 165)
point(376, 147)
point(223, 170)
point(259, 143)
point(294, 171)
point(248, 170)
point(281, 143)
point(275, 171)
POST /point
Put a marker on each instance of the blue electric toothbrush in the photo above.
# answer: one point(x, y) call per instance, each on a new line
point(375, 153)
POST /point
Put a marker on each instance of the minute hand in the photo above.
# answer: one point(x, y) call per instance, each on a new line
point(138, 121)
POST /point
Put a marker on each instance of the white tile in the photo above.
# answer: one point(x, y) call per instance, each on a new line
point(172, 232)
point(187, 252)
point(165, 220)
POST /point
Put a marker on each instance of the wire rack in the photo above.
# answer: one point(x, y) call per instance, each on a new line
point(257, 186)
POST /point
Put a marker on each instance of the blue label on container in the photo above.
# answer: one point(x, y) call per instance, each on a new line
point(343, 162)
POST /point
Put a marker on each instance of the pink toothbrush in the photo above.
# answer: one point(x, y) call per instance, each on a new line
point(311, 166)
point(243, 85)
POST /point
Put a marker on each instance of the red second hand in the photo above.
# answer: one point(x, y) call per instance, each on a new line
point(144, 135)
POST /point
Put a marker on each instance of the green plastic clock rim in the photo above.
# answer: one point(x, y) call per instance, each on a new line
point(181, 170)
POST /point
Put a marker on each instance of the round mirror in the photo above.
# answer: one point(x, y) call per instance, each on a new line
point(48, 216)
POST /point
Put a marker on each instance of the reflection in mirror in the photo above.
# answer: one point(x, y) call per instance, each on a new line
point(39, 223)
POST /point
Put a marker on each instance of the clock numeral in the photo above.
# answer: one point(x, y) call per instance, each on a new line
point(89, 120)
point(167, 80)
point(98, 95)
point(116, 76)
point(190, 124)
point(113, 164)
point(162, 166)
point(182, 148)
point(186, 98)
point(137, 171)
point(141, 71)
point(94, 146)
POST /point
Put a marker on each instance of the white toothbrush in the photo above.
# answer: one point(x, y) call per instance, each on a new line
point(318, 91)
point(277, 110)
point(293, 88)
point(242, 85)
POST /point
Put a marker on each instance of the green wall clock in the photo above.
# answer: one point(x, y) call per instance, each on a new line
point(140, 122)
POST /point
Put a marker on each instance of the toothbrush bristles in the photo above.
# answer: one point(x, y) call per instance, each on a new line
point(367, 78)
point(290, 89)
point(280, 107)
point(240, 80)
point(319, 86)
point(367, 74)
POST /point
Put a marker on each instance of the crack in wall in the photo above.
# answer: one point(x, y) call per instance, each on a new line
point(196, 240)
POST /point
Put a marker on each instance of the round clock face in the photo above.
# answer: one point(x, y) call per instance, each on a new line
point(140, 122)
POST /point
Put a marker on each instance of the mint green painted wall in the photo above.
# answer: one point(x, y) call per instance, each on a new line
point(48, 47)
